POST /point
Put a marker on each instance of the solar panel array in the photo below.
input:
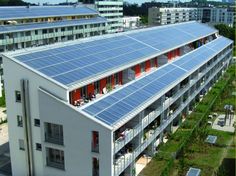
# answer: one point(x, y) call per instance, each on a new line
point(47, 25)
point(113, 108)
point(7, 13)
point(75, 63)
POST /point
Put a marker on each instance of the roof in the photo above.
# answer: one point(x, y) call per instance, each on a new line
point(84, 61)
point(21, 12)
point(47, 25)
point(193, 172)
point(117, 108)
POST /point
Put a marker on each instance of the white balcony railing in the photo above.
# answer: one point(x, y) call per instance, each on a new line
point(125, 160)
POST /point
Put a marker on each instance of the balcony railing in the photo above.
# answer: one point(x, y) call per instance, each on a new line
point(58, 165)
point(54, 139)
point(125, 160)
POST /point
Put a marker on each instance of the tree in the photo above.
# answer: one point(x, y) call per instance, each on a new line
point(13, 3)
point(226, 31)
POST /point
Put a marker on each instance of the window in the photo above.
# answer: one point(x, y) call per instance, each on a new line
point(95, 141)
point(97, 87)
point(18, 96)
point(19, 121)
point(38, 147)
point(95, 166)
point(21, 144)
point(54, 133)
point(37, 122)
point(83, 92)
point(116, 78)
point(143, 67)
point(55, 158)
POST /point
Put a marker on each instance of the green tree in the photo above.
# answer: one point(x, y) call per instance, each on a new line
point(226, 31)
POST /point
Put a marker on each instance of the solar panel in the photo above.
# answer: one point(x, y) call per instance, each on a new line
point(124, 101)
point(7, 13)
point(211, 139)
point(188, 62)
point(193, 172)
point(47, 25)
point(89, 59)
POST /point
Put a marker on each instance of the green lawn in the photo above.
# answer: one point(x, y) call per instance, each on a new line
point(205, 156)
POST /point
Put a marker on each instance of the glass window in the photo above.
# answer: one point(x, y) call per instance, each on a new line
point(38, 147)
point(54, 133)
point(97, 87)
point(21, 144)
point(37, 122)
point(19, 121)
point(95, 166)
point(95, 141)
point(55, 158)
point(18, 96)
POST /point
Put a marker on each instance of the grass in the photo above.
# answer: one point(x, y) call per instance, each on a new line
point(208, 157)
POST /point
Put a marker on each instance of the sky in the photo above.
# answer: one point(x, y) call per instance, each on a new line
point(58, 1)
point(130, 1)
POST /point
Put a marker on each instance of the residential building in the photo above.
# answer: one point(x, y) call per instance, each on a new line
point(24, 27)
point(112, 10)
point(95, 106)
point(162, 16)
point(131, 22)
point(214, 16)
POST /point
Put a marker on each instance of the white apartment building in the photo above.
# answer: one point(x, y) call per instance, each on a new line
point(131, 22)
point(162, 16)
point(25, 27)
point(22, 27)
point(93, 107)
point(112, 10)
point(216, 16)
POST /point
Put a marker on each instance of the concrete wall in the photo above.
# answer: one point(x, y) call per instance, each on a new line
point(77, 132)
point(12, 83)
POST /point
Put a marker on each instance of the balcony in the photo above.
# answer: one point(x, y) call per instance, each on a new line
point(129, 134)
point(54, 139)
point(126, 159)
point(58, 165)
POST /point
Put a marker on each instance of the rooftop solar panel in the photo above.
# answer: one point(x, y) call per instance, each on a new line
point(116, 106)
point(9, 13)
point(47, 25)
point(90, 59)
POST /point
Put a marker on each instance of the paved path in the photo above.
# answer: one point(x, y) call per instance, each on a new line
point(3, 134)
point(227, 127)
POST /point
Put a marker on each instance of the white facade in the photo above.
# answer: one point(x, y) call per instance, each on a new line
point(131, 22)
point(59, 137)
point(216, 16)
point(212, 16)
point(162, 16)
point(113, 11)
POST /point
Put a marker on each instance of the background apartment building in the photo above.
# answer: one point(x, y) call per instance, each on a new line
point(96, 106)
point(162, 16)
point(214, 16)
point(112, 10)
point(211, 16)
point(131, 22)
point(22, 27)
point(25, 27)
